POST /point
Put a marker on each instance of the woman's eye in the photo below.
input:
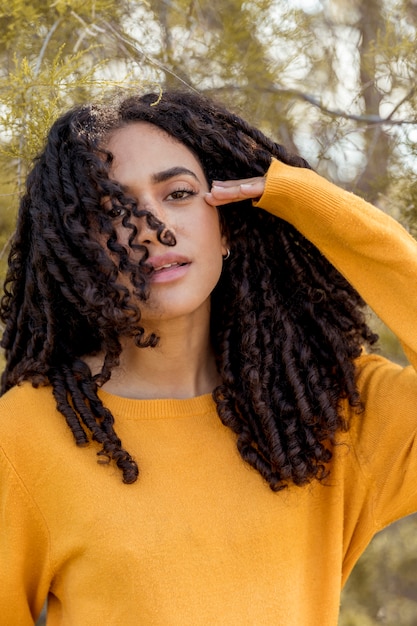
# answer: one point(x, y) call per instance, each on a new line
point(181, 194)
point(116, 212)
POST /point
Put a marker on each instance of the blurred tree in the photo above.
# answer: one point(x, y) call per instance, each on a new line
point(331, 79)
point(334, 80)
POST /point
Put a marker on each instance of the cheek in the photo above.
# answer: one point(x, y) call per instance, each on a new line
point(212, 231)
point(214, 251)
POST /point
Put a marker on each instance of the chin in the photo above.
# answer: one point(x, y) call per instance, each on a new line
point(178, 312)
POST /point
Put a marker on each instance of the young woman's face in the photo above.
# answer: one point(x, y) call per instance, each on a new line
point(165, 178)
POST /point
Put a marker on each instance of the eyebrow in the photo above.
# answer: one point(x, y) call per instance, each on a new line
point(161, 177)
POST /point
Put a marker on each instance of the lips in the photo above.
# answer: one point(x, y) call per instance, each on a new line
point(168, 267)
point(167, 261)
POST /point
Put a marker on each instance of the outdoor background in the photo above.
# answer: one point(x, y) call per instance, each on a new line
point(334, 81)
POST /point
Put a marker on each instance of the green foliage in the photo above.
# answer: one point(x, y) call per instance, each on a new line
point(33, 99)
point(41, 76)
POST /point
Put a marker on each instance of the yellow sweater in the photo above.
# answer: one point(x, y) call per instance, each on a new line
point(200, 539)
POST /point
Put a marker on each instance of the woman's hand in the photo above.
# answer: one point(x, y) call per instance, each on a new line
point(226, 191)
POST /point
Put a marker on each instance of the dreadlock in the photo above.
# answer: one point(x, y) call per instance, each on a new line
point(286, 326)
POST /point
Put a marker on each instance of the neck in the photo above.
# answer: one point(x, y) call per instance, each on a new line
point(182, 365)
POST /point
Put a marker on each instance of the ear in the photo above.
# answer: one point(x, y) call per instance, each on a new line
point(225, 245)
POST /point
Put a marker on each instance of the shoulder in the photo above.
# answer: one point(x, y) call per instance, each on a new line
point(30, 422)
point(24, 402)
point(385, 427)
point(24, 390)
point(383, 437)
point(387, 385)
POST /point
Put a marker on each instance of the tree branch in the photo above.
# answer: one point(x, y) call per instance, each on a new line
point(45, 45)
point(133, 45)
point(373, 120)
point(364, 119)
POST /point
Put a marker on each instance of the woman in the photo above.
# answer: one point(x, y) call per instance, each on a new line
point(173, 266)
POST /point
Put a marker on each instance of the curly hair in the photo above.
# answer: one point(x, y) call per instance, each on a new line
point(286, 326)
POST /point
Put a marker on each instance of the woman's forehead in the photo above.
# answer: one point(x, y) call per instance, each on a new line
point(144, 147)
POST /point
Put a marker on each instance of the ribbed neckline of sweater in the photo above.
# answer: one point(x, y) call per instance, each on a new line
point(157, 409)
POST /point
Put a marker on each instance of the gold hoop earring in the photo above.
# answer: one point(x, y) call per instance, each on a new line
point(227, 255)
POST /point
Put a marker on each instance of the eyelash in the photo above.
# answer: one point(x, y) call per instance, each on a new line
point(116, 212)
point(187, 191)
point(119, 212)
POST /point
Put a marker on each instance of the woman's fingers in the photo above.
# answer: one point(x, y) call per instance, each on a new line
point(242, 181)
point(226, 191)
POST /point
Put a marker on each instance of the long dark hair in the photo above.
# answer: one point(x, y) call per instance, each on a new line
point(286, 326)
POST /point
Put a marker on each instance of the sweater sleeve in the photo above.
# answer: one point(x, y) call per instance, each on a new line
point(24, 551)
point(379, 258)
point(373, 251)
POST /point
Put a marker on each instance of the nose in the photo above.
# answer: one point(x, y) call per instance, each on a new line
point(148, 228)
point(153, 227)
